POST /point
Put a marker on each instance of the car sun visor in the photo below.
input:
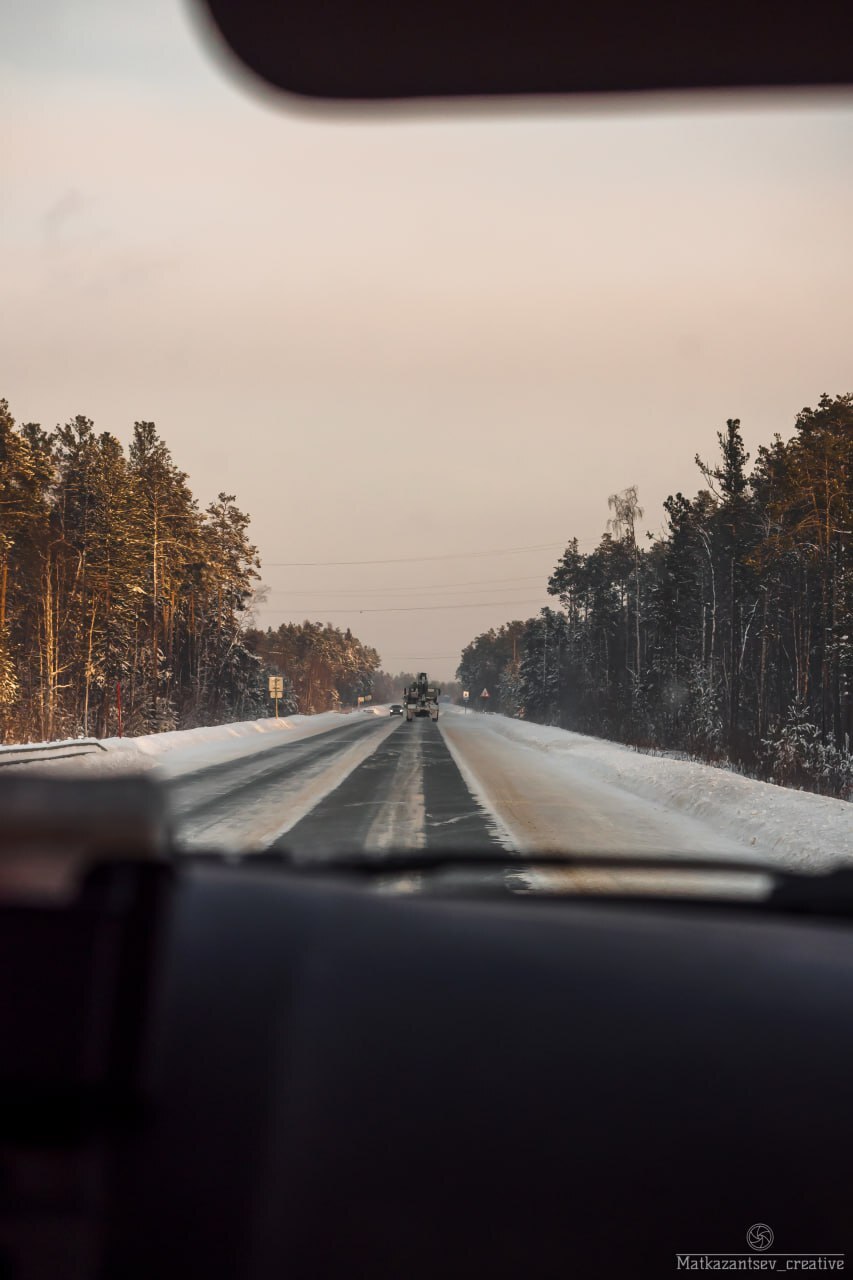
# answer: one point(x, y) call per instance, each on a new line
point(383, 49)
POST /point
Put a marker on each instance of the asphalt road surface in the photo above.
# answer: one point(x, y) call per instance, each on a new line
point(243, 803)
point(373, 785)
point(409, 794)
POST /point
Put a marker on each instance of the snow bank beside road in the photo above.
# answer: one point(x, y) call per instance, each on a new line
point(187, 750)
point(791, 827)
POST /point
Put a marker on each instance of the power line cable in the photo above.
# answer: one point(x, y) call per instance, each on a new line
point(426, 657)
point(417, 608)
point(407, 588)
point(454, 555)
point(362, 599)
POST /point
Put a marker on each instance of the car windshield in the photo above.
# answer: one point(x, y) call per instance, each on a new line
point(427, 480)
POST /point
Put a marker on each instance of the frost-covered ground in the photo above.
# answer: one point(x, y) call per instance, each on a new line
point(554, 790)
point(188, 750)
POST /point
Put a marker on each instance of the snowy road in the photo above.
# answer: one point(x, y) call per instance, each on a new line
point(562, 791)
point(247, 803)
point(372, 785)
point(547, 808)
point(369, 784)
point(409, 794)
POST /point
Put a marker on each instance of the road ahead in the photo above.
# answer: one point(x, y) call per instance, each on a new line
point(409, 794)
point(369, 785)
point(373, 785)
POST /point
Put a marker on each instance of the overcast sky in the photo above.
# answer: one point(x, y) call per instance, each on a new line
point(418, 336)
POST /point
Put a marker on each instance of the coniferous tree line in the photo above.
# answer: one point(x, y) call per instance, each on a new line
point(388, 686)
point(729, 637)
point(322, 667)
point(120, 597)
point(116, 588)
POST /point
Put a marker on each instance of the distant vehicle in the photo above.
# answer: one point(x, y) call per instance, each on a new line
point(422, 698)
point(396, 709)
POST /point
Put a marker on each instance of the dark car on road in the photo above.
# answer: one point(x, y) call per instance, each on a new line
point(396, 709)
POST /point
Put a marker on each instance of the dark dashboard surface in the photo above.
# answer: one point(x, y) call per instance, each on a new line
point(402, 1086)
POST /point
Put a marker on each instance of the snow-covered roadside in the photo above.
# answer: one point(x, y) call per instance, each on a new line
point(188, 750)
point(553, 789)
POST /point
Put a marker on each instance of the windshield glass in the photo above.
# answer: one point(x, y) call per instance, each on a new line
point(425, 480)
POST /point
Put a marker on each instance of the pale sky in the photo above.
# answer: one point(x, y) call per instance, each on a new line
point(411, 335)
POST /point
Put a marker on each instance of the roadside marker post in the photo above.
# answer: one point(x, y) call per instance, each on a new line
point(465, 699)
point(276, 690)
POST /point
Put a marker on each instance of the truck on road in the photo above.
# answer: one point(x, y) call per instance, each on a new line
point(421, 698)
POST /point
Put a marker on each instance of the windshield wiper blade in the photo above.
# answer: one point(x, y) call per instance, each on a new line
point(826, 893)
point(441, 859)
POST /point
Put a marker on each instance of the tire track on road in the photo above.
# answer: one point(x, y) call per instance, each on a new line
point(249, 802)
point(409, 794)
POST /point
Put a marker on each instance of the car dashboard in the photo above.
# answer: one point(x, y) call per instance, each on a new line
point(256, 1069)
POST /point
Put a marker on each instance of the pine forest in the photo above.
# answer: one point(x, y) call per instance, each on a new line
point(728, 638)
point(123, 605)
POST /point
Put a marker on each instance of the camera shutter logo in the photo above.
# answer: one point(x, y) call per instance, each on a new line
point(759, 1237)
